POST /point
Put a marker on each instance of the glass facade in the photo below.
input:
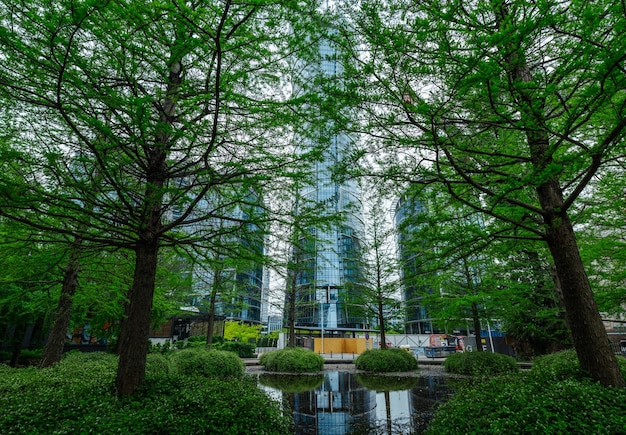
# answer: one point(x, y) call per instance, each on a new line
point(239, 283)
point(418, 320)
point(329, 258)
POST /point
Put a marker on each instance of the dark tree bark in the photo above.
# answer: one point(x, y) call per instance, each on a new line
point(133, 344)
point(588, 332)
point(291, 310)
point(476, 320)
point(56, 339)
point(381, 321)
point(133, 340)
point(211, 320)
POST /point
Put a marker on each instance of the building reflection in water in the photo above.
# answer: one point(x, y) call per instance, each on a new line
point(345, 403)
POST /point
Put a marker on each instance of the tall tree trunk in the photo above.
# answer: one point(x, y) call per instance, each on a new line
point(56, 339)
point(211, 322)
point(583, 318)
point(381, 322)
point(291, 312)
point(17, 342)
point(133, 345)
point(133, 341)
point(476, 320)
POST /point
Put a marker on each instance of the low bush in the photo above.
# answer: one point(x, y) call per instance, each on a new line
point(208, 363)
point(386, 361)
point(158, 364)
point(480, 363)
point(244, 350)
point(564, 365)
point(521, 403)
point(76, 396)
point(558, 365)
point(292, 360)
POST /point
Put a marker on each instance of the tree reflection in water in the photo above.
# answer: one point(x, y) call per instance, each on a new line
point(358, 404)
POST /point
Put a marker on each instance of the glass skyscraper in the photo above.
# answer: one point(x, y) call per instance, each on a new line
point(418, 320)
point(329, 262)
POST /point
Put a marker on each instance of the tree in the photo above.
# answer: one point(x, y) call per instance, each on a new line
point(444, 244)
point(527, 301)
point(514, 108)
point(168, 101)
point(377, 290)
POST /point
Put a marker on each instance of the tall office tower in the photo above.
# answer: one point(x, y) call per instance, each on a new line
point(418, 320)
point(329, 263)
point(235, 271)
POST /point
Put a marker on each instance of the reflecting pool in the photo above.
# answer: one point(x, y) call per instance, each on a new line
point(341, 402)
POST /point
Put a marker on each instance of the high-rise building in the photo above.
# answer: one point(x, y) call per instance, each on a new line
point(418, 320)
point(236, 275)
point(329, 256)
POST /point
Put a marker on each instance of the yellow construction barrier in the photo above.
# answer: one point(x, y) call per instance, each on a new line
point(342, 345)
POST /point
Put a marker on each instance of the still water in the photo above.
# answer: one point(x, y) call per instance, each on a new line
point(347, 403)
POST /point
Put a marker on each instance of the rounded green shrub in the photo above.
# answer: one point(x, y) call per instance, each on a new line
point(244, 350)
point(558, 365)
point(158, 364)
point(386, 361)
point(522, 404)
point(207, 363)
point(64, 399)
point(564, 365)
point(292, 360)
point(480, 363)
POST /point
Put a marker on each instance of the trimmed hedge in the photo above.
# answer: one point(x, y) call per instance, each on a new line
point(207, 363)
point(244, 350)
point(554, 396)
point(386, 361)
point(480, 364)
point(522, 404)
point(292, 360)
point(564, 365)
point(76, 396)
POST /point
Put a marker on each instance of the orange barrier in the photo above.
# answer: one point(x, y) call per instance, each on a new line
point(342, 345)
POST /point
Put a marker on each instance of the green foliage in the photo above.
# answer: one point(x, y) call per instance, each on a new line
point(386, 361)
point(244, 350)
point(208, 363)
point(267, 341)
point(520, 403)
point(480, 363)
point(158, 364)
point(386, 383)
point(76, 396)
point(292, 383)
point(558, 366)
point(241, 331)
point(564, 365)
point(292, 360)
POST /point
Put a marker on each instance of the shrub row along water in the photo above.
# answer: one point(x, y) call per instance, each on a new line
point(555, 396)
point(386, 361)
point(292, 360)
point(191, 391)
